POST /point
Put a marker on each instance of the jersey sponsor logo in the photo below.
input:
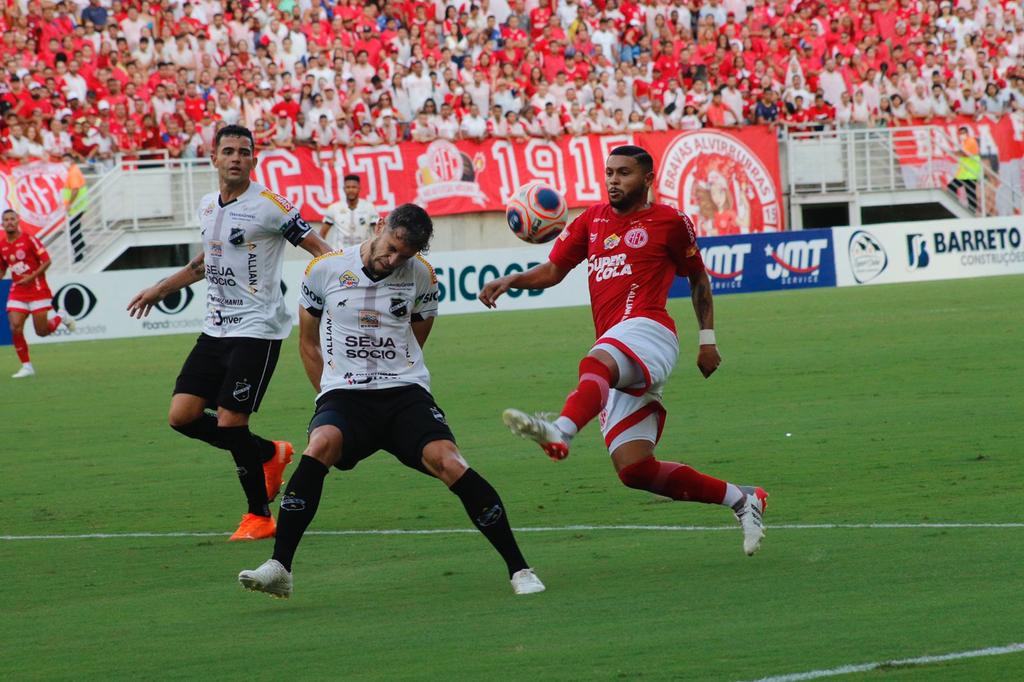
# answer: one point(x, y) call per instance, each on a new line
point(369, 319)
point(348, 279)
point(208, 211)
point(370, 348)
point(636, 238)
point(216, 249)
point(603, 268)
point(430, 268)
point(611, 241)
point(720, 182)
point(593, 237)
point(248, 217)
point(795, 261)
point(253, 272)
point(429, 297)
point(223, 276)
point(401, 285)
point(219, 319)
point(237, 236)
point(241, 391)
point(399, 307)
point(320, 258)
point(278, 201)
point(314, 297)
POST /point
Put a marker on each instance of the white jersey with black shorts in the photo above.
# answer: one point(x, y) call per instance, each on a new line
point(375, 386)
point(246, 316)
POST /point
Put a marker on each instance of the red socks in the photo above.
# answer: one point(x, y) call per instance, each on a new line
point(591, 394)
point(54, 323)
point(21, 347)
point(678, 481)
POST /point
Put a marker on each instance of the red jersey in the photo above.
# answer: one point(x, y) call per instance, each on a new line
point(23, 256)
point(631, 260)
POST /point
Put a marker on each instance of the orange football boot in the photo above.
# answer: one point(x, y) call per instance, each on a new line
point(273, 468)
point(255, 527)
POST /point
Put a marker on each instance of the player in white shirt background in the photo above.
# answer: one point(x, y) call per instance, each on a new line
point(364, 317)
point(244, 227)
point(350, 221)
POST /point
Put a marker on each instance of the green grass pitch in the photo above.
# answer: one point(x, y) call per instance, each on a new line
point(896, 404)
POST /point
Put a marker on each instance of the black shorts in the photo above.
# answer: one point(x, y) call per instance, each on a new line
point(232, 373)
point(401, 420)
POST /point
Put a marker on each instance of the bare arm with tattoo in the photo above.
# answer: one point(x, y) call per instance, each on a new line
point(143, 302)
point(708, 358)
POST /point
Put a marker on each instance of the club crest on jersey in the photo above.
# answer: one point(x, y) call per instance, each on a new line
point(611, 241)
point(369, 319)
point(348, 279)
point(216, 249)
point(237, 236)
point(19, 254)
point(399, 307)
point(636, 237)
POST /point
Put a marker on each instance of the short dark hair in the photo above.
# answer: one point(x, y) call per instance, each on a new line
point(353, 178)
point(233, 130)
point(415, 223)
point(9, 210)
point(641, 155)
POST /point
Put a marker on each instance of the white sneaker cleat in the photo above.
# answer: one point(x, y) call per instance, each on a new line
point(539, 430)
point(68, 322)
point(751, 518)
point(271, 577)
point(526, 582)
point(24, 372)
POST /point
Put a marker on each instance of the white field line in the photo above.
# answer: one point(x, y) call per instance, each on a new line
point(906, 662)
point(529, 529)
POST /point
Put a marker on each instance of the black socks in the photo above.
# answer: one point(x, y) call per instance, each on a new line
point(298, 507)
point(246, 451)
point(488, 514)
point(205, 429)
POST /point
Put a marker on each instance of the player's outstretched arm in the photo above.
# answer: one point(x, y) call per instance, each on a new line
point(143, 302)
point(315, 244)
point(541, 276)
point(309, 347)
point(708, 358)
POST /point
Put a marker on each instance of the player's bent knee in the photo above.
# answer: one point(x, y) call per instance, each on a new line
point(443, 459)
point(640, 475)
point(325, 445)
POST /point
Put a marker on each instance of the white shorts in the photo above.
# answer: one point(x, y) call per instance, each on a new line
point(646, 353)
point(29, 306)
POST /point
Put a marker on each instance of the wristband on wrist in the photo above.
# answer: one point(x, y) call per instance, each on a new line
point(707, 337)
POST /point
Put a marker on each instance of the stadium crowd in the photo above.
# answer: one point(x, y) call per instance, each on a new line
point(99, 77)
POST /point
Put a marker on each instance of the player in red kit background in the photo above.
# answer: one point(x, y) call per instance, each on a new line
point(634, 250)
point(28, 261)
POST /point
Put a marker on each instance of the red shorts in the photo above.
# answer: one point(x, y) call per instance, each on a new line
point(30, 300)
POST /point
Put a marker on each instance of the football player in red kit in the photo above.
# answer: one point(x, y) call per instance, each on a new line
point(30, 295)
point(634, 249)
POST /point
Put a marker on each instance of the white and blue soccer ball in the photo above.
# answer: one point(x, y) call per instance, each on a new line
point(536, 212)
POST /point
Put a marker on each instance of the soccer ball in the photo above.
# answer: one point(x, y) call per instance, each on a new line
point(536, 212)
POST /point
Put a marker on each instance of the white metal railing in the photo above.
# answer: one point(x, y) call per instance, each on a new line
point(893, 160)
point(136, 196)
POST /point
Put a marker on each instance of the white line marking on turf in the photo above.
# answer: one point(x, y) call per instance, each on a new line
point(921, 660)
point(530, 529)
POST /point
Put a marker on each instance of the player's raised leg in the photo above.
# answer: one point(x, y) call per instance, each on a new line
point(44, 326)
point(638, 468)
point(598, 372)
point(485, 509)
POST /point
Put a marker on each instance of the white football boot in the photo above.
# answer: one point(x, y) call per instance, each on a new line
point(538, 429)
point(751, 518)
point(526, 582)
point(25, 371)
point(271, 578)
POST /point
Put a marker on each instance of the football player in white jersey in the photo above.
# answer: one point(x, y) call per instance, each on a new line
point(349, 222)
point(244, 227)
point(364, 316)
